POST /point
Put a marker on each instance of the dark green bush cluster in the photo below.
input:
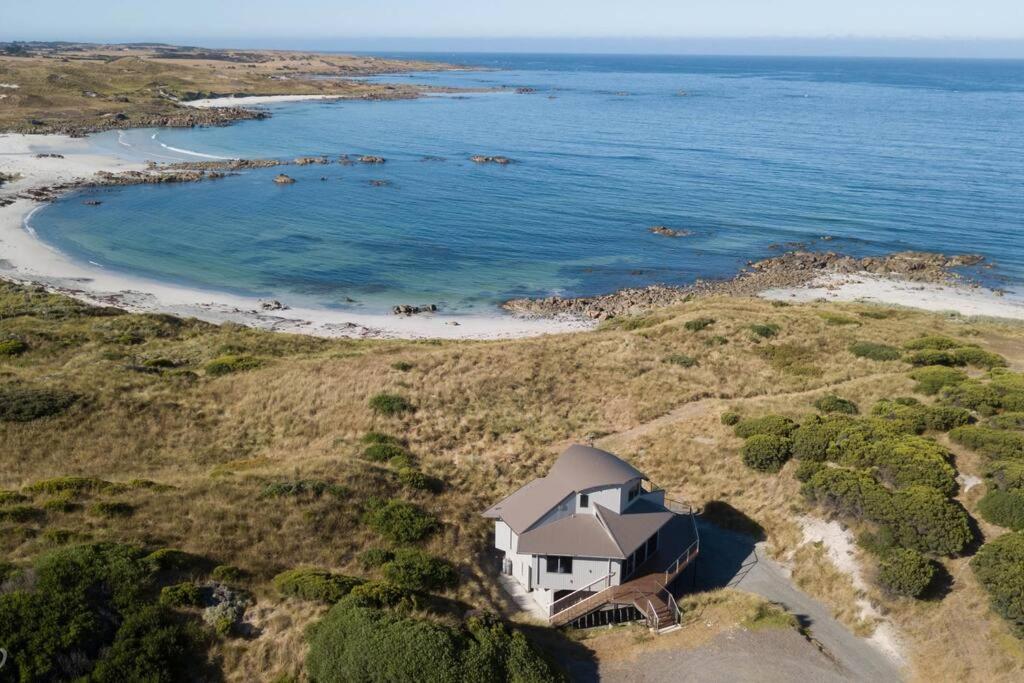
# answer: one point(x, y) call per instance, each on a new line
point(834, 404)
point(905, 572)
point(1004, 507)
point(402, 365)
point(994, 443)
point(91, 614)
point(372, 558)
point(415, 479)
point(19, 513)
point(384, 452)
point(765, 330)
point(999, 566)
point(74, 485)
point(225, 365)
point(416, 570)
point(931, 380)
point(775, 425)
point(1013, 420)
point(316, 585)
point(936, 342)
point(363, 643)
point(1004, 391)
point(838, 320)
point(875, 351)
point(915, 417)
point(682, 360)
point(814, 436)
point(903, 461)
point(730, 419)
point(185, 594)
point(917, 517)
point(173, 559)
point(303, 488)
point(112, 508)
point(399, 521)
point(12, 347)
point(226, 573)
point(698, 324)
point(379, 594)
point(24, 404)
point(767, 452)
point(390, 405)
point(970, 355)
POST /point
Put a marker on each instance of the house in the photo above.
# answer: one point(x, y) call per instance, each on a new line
point(594, 542)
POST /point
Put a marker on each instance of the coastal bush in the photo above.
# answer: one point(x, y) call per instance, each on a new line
point(19, 513)
point(414, 569)
point(979, 358)
point(353, 642)
point(682, 360)
point(1006, 474)
point(227, 573)
point(931, 380)
point(834, 404)
point(993, 443)
point(1003, 508)
point(12, 347)
point(807, 469)
point(698, 324)
point(999, 568)
point(380, 594)
point(390, 405)
point(172, 559)
point(225, 365)
point(858, 435)
point(930, 357)
point(932, 342)
point(838, 320)
point(904, 461)
point(765, 330)
point(316, 585)
point(776, 425)
point(791, 358)
point(309, 488)
point(370, 438)
point(415, 479)
point(811, 440)
point(109, 508)
point(399, 521)
point(372, 558)
point(382, 452)
point(8, 497)
point(847, 492)
point(945, 418)
point(88, 613)
point(402, 366)
point(73, 485)
point(905, 572)
point(766, 452)
point(730, 419)
point(875, 351)
point(1014, 420)
point(24, 404)
point(185, 594)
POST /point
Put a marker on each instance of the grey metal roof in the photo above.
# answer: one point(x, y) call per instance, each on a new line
point(578, 468)
point(579, 536)
point(635, 525)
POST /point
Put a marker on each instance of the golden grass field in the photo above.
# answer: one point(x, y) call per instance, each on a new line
point(489, 416)
point(82, 87)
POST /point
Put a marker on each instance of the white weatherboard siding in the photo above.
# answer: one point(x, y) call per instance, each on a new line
point(584, 571)
point(508, 541)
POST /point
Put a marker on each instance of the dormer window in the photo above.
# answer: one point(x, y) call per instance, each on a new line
point(634, 491)
point(584, 500)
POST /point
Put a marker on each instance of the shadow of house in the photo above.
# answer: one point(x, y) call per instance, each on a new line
point(725, 557)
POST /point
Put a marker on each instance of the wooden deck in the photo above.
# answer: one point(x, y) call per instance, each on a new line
point(649, 587)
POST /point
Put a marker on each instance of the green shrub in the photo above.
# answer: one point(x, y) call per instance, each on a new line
point(361, 643)
point(812, 439)
point(225, 365)
point(390, 404)
point(791, 358)
point(945, 418)
point(416, 570)
point(12, 347)
point(316, 585)
point(923, 519)
point(730, 418)
point(399, 521)
point(933, 379)
point(1003, 508)
point(932, 357)
point(172, 559)
point(847, 492)
point(767, 452)
point(698, 324)
point(979, 358)
point(379, 594)
point(313, 488)
point(402, 365)
point(834, 404)
point(73, 485)
point(838, 320)
point(1006, 474)
point(110, 508)
point(414, 479)
point(1013, 420)
point(151, 645)
point(934, 342)
point(375, 557)
point(993, 443)
point(999, 567)
point(765, 330)
point(379, 437)
point(905, 572)
point(910, 417)
point(181, 595)
point(24, 404)
point(807, 469)
point(682, 360)
point(8, 497)
point(62, 503)
point(775, 425)
point(382, 452)
point(903, 461)
point(975, 395)
point(226, 573)
point(875, 351)
point(19, 513)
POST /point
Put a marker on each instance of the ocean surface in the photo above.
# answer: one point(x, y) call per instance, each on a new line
point(752, 155)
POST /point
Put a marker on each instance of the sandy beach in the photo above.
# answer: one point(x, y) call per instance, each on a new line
point(25, 258)
point(242, 101)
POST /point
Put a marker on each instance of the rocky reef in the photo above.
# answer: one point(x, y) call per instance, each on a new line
point(669, 232)
point(483, 159)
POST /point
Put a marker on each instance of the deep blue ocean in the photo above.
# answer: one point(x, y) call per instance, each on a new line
point(750, 154)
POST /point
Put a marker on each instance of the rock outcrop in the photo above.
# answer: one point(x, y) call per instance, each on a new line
point(370, 159)
point(407, 309)
point(483, 159)
point(669, 232)
point(282, 179)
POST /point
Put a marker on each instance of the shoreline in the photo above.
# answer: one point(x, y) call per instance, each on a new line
point(26, 259)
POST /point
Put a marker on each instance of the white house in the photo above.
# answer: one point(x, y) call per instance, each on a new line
point(589, 525)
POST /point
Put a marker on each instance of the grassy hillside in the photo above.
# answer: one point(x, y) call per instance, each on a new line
point(250, 449)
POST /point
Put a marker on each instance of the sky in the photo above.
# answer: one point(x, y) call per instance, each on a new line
point(451, 24)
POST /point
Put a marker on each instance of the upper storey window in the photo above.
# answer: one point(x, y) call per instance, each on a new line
point(584, 500)
point(634, 491)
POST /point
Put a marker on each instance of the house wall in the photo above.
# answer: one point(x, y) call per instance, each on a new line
point(585, 570)
point(508, 541)
point(565, 508)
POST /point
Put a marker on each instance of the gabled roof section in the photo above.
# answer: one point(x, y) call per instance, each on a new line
point(578, 468)
point(634, 526)
point(576, 535)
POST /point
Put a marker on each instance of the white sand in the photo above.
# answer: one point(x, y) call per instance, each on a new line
point(243, 100)
point(24, 258)
point(971, 301)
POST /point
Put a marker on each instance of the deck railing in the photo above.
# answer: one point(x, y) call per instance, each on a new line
point(652, 616)
point(681, 562)
point(592, 589)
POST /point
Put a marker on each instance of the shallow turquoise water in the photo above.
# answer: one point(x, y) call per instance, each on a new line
point(747, 153)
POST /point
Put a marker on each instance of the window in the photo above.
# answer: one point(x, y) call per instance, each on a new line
point(652, 544)
point(558, 564)
point(635, 491)
point(584, 500)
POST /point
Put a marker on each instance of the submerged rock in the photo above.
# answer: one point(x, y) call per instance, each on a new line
point(483, 159)
point(370, 159)
point(92, 202)
point(669, 232)
point(283, 179)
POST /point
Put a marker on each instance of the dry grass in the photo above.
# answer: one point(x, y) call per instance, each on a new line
point(489, 416)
